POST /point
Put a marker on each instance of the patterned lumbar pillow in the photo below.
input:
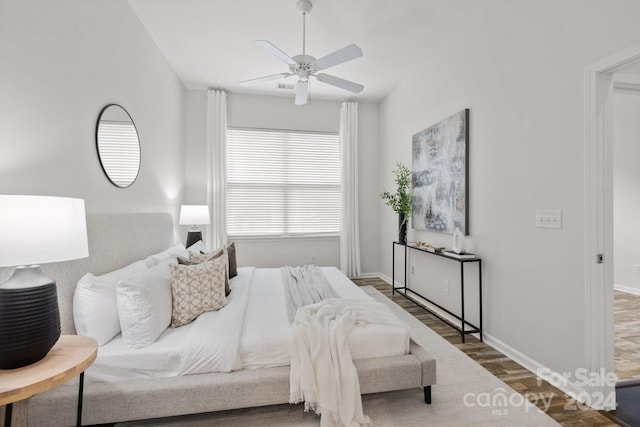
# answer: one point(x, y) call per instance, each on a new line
point(202, 257)
point(197, 258)
point(196, 289)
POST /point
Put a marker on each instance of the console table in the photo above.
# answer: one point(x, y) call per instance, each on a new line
point(68, 358)
point(462, 328)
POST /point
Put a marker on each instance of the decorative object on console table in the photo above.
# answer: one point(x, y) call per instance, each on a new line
point(400, 201)
point(194, 215)
point(35, 230)
point(441, 175)
point(428, 247)
point(402, 228)
point(459, 245)
point(464, 255)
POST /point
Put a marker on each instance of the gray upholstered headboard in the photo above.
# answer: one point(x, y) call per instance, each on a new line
point(114, 242)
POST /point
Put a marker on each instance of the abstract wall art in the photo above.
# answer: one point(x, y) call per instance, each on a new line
point(441, 175)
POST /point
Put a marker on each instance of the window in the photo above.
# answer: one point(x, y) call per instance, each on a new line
point(282, 183)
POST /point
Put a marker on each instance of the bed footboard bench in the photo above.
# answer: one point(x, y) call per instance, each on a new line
point(191, 394)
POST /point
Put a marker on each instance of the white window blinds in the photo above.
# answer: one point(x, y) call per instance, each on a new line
point(119, 151)
point(282, 183)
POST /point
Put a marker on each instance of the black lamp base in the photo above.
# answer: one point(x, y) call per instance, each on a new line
point(193, 237)
point(29, 317)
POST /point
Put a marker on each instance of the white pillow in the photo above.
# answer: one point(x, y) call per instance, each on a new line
point(95, 311)
point(197, 247)
point(172, 252)
point(144, 305)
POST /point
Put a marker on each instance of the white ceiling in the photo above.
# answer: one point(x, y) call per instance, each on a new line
point(209, 43)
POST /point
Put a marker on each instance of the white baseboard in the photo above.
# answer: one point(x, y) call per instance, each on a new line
point(380, 276)
point(368, 276)
point(627, 289)
point(576, 391)
point(385, 278)
point(430, 307)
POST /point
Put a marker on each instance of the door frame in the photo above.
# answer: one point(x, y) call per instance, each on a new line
point(598, 161)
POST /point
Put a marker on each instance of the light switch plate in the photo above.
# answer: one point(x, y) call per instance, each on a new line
point(549, 219)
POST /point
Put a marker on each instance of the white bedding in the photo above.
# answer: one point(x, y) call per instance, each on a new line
point(262, 335)
point(267, 331)
point(184, 350)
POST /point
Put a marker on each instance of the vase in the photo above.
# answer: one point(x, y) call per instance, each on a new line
point(459, 246)
point(402, 229)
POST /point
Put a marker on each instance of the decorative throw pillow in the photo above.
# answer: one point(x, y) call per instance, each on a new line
point(196, 289)
point(233, 265)
point(144, 305)
point(201, 257)
point(95, 311)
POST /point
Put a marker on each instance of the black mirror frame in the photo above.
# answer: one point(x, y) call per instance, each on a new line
point(98, 146)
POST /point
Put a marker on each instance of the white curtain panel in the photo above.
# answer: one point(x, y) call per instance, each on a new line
point(216, 166)
point(349, 234)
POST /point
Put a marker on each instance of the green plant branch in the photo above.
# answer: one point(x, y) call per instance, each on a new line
point(400, 201)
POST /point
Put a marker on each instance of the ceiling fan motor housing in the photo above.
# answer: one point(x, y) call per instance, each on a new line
point(305, 66)
point(304, 6)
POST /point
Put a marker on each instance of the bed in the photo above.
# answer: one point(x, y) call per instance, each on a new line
point(113, 395)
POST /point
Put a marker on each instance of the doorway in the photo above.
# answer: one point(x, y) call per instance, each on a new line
point(626, 228)
point(599, 217)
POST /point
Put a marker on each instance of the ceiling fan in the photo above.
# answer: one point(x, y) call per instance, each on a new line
point(305, 66)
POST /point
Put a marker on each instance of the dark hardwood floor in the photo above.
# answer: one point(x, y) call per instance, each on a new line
point(563, 409)
point(627, 335)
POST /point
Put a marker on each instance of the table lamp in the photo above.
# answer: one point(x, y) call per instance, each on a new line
point(194, 215)
point(35, 230)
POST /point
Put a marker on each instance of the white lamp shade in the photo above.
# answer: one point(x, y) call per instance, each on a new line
point(194, 215)
point(41, 229)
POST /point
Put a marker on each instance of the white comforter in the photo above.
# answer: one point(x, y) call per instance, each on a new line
point(267, 331)
point(208, 344)
point(251, 331)
point(214, 337)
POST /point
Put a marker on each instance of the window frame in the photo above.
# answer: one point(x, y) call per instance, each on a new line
point(288, 235)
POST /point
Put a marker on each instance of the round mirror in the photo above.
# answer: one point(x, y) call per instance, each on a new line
point(118, 145)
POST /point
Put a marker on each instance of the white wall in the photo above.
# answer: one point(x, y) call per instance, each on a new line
point(281, 113)
point(519, 67)
point(61, 62)
point(626, 189)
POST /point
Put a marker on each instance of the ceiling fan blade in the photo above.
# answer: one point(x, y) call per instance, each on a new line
point(302, 92)
point(265, 79)
point(339, 56)
point(275, 51)
point(341, 83)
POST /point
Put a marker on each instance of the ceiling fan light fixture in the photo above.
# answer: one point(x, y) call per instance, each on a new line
point(286, 86)
point(302, 92)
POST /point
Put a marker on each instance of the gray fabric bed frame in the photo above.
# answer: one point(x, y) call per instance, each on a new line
point(117, 240)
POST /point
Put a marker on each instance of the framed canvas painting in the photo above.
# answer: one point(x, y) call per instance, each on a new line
point(441, 175)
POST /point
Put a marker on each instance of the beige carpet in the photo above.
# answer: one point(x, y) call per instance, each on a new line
point(466, 394)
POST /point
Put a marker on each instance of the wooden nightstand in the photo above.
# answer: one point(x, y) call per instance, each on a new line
point(68, 358)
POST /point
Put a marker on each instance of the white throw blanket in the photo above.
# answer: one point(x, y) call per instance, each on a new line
point(303, 286)
point(322, 372)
